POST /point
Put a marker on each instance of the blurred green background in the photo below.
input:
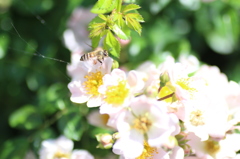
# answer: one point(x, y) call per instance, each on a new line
point(35, 100)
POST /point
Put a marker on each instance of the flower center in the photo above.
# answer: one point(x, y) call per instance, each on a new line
point(93, 81)
point(147, 152)
point(211, 147)
point(185, 84)
point(196, 118)
point(142, 123)
point(61, 155)
point(117, 94)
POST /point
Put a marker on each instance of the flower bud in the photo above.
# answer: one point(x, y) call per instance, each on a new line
point(164, 78)
point(115, 64)
point(105, 141)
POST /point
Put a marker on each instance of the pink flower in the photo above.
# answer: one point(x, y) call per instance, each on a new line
point(118, 89)
point(84, 87)
point(146, 120)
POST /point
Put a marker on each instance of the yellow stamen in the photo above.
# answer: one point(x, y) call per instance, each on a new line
point(117, 94)
point(211, 147)
point(147, 152)
point(185, 84)
point(93, 81)
point(196, 118)
point(61, 155)
point(142, 123)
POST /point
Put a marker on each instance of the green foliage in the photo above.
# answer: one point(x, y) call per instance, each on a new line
point(71, 124)
point(27, 117)
point(14, 149)
point(104, 6)
point(118, 23)
point(112, 43)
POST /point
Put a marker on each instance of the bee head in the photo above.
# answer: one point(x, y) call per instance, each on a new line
point(105, 53)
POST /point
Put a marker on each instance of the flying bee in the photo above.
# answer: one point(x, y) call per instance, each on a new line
point(96, 55)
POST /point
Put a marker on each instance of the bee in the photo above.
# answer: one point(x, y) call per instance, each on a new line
point(96, 55)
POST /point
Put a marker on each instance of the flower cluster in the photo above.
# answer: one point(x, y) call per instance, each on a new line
point(174, 110)
point(61, 148)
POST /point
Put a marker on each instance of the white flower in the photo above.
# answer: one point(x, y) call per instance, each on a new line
point(190, 61)
point(118, 89)
point(81, 154)
point(146, 118)
point(206, 117)
point(215, 149)
point(151, 153)
point(150, 75)
point(233, 101)
point(85, 87)
point(179, 87)
point(59, 148)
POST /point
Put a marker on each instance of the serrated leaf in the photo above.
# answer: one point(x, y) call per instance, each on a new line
point(130, 7)
point(103, 17)
point(112, 44)
point(133, 24)
point(122, 26)
point(104, 6)
point(97, 27)
point(136, 16)
point(116, 29)
point(70, 124)
point(26, 117)
point(97, 19)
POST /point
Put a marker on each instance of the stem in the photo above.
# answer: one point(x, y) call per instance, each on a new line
point(166, 97)
point(119, 5)
point(47, 123)
point(159, 89)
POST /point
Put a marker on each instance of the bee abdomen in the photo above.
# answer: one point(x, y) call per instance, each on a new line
point(83, 57)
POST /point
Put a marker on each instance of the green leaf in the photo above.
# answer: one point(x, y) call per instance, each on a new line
point(97, 30)
point(103, 17)
point(133, 24)
point(104, 6)
point(95, 41)
point(14, 149)
point(4, 41)
point(70, 124)
point(136, 16)
point(130, 7)
point(112, 44)
point(27, 117)
point(97, 19)
point(116, 29)
point(120, 24)
point(97, 26)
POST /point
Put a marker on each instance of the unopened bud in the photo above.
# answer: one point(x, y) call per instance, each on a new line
point(115, 64)
point(116, 136)
point(164, 78)
point(105, 141)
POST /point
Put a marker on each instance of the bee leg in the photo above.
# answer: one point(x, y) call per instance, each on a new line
point(94, 62)
point(99, 61)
